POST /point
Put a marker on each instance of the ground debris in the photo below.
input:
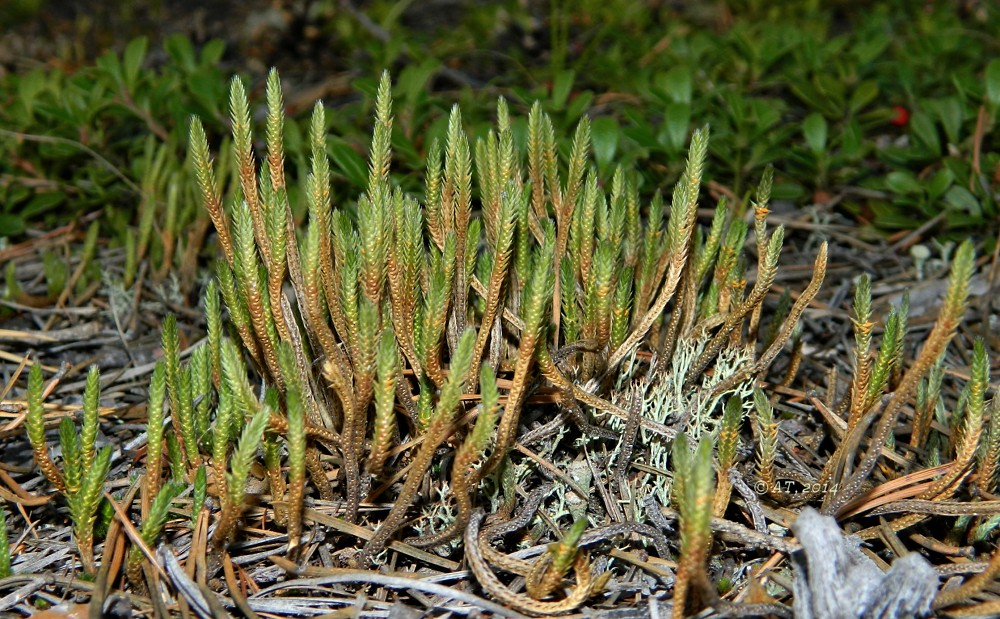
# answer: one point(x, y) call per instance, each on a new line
point(835, 580)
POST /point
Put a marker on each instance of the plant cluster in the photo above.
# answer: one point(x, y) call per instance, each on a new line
point(415, 345)
point(84, 469)
point(367, 333)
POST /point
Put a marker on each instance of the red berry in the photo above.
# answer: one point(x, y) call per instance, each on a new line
point(902, 116)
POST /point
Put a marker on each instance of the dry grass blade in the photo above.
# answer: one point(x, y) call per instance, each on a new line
point(971, 587)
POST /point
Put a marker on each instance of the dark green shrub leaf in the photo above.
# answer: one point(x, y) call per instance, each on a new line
point(11, 225)
point(642, 134)
point(204, 87)
point(814, 129)
point(865, 93)
point(925, 133)
point(211, 52)
point(28, 87)
point(579, 105)
point(890, 216)
point(993, 81)
point(903, 182)
point(604, 139)
point(788, 190)
point(676, 84)
point(940, 183)
point(676, 123)
point(42, 203)
point(961, 199)
point(180, 50)
point(831, 91)
point(109, 64)
point(850, 141)
point(868, 49)
point(350, 163)
point(949, 111)
point(135, 53)
point(562, 85)
point(413, 80)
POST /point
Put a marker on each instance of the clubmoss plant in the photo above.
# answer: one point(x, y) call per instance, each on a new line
point(766, 433)
point(949, 318)
point(728, 441)
point(234, 501)
point(152, 526)
point(989, 457)
point(693, 492)
point(366, 328)
point(84, 470)
point(440, 421)
point(296, 435)
point(467, 458)
point(34, 423)
point(549, 572)
point(199, 494)
point(154, 430)
point(5, 569)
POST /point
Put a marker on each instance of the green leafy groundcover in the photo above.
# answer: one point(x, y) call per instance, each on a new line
point(887, 111)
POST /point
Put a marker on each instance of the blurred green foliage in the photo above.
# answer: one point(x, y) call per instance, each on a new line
point(890, 108)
